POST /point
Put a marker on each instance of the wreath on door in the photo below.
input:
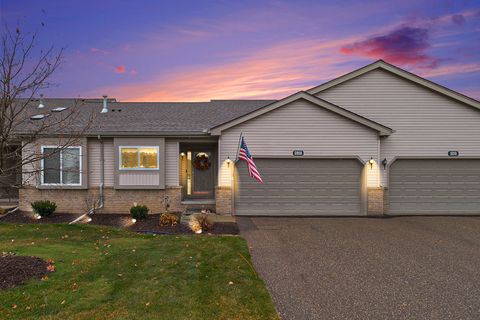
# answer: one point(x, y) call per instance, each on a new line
point(201, 162)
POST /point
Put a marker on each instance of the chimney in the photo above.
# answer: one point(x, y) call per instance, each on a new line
point(105, 109)
point(41, 105)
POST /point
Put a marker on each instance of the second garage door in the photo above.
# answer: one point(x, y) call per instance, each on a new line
point(300, 187)
point(435, 186)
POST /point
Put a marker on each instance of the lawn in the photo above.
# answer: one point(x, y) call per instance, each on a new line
point(106, 273)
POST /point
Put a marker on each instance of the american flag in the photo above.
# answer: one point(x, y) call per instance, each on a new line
point(246, 156)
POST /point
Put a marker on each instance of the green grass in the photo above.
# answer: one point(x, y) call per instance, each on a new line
point(105, 273)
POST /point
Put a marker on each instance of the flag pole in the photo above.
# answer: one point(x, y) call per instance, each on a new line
point(238, 146)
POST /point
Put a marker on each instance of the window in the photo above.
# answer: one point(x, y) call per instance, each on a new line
point(61, 167)
point(139, 158)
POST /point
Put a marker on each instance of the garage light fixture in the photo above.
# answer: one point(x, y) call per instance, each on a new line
point(228, 161)
point(384, 162)
point(371, 162)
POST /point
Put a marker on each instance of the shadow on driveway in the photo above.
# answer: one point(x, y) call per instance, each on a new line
point(360, 268)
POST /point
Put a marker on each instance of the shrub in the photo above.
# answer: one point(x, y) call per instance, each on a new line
point(168, 219)
point(139, 212)
point(201, 222)
point(44, 208)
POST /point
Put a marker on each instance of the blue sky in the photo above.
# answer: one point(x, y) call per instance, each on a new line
point(202, 50)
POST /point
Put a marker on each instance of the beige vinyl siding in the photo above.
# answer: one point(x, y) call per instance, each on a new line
point(94, 160)
point(299, 125)
point(172, 162)
point(31, 171)
point(426, 123)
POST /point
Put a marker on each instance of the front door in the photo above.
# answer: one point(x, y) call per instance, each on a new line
point(200, 173)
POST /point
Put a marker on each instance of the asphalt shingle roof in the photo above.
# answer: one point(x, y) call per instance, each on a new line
point(144, 117)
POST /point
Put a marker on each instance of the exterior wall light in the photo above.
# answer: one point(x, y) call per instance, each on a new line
point(371, 161)
point(384, 162)
point(182, 154)
point(228, 162)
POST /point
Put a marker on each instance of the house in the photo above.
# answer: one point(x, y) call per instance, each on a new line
point(376, 141)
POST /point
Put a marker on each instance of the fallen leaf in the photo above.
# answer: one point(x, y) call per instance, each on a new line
point(230, 282)
point(44, 278)
point(147, 304)
point(14, 306)
point(51, 268)
point(63, 302)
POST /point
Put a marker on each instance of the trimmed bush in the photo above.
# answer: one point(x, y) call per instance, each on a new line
point(168, 219)
point(44, 208)
point(139, 212)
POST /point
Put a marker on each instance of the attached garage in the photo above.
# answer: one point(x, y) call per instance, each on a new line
point(300, 187)
point(435, 186)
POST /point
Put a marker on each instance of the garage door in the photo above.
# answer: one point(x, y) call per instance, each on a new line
point(300, 187)
point(435, 187)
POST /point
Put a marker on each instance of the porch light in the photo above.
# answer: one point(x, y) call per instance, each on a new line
point(371, 162)
point(228, 161)
point(182, 154)
point(89, 220)
point(134, 220)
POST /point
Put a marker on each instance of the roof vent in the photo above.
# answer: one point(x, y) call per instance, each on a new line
point(59, 109)
point(105, 109)
point(41, 105)
point(38, 116)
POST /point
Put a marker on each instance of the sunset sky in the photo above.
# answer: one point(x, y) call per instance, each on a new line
point(202, 50)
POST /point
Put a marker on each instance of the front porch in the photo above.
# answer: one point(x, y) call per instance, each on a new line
point(199, 168)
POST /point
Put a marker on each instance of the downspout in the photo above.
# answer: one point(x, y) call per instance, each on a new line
point(102, 173)
point(102, 178)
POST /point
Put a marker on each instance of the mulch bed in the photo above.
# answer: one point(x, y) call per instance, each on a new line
point(27, 217)
point(148, 225)
point(15, 270)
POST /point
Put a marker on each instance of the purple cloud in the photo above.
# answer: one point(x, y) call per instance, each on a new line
point(403, 46)
point(458, 19)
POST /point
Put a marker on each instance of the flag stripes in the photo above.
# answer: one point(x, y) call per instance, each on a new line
point(245, 155)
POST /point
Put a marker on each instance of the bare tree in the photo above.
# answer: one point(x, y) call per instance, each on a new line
point(25, 71)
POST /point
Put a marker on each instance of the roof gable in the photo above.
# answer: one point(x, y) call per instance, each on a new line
point(380, 64)
point(383, 130)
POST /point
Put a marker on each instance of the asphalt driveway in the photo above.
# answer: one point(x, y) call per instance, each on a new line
point(360, 268)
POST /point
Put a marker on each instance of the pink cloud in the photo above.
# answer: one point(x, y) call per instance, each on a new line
point(403, 46)
point(120, 69)
point(269, 73)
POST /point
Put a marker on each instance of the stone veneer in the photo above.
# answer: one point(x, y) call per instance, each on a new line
point(116, 201)
point(375, 201)
point(223, 200)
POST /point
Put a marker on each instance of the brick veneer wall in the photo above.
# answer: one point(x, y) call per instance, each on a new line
point(116, 201)
point(223, 199)
point(375, 201)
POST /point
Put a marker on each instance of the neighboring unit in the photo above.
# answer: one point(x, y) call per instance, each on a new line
point(376, 141)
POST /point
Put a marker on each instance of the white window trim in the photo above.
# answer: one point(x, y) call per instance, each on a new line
point(138, 169)
point(61, 184)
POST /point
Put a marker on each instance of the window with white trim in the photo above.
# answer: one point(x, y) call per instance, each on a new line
point(61, 166)
point(139, 158)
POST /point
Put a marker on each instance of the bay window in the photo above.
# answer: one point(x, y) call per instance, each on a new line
point(61, 166)
point(138, 158)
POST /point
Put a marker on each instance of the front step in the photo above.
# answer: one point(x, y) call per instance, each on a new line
point(197, 205)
